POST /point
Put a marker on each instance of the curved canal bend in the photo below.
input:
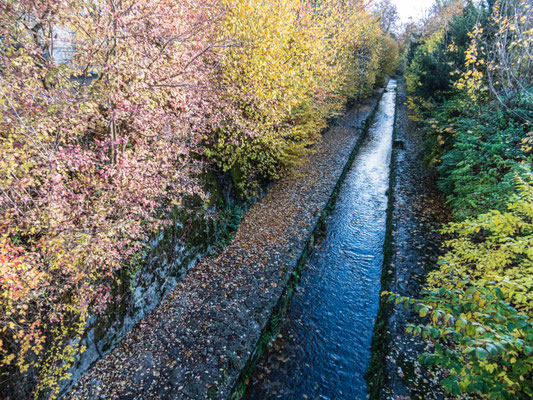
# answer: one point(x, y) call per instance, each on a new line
point(324, 345)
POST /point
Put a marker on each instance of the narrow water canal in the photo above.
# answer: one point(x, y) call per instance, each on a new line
point(324, 348)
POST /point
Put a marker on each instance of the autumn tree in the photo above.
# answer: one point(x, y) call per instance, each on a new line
point(388, 15)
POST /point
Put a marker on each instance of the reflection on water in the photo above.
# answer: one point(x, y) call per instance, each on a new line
point(324, 348)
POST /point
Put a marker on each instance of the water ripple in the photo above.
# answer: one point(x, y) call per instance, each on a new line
point(324, 349)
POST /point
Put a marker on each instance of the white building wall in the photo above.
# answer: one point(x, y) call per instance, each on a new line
point(63, 45)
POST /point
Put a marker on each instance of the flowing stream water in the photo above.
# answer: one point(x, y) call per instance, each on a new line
point(323, 349)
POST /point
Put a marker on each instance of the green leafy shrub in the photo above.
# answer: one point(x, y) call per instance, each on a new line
point(484, 345)
point(479, 156)
point(479, 304)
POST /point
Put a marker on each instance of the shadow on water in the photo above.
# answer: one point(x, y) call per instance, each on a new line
point(323, 349)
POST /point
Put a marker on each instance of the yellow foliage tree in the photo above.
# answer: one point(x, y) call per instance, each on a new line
point(292, 65)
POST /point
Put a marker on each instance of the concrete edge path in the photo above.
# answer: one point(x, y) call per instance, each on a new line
point(195, 344)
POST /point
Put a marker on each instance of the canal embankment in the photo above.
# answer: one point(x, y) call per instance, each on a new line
point(198, 341)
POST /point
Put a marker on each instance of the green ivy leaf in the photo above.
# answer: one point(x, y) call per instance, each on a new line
point(481, 354)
